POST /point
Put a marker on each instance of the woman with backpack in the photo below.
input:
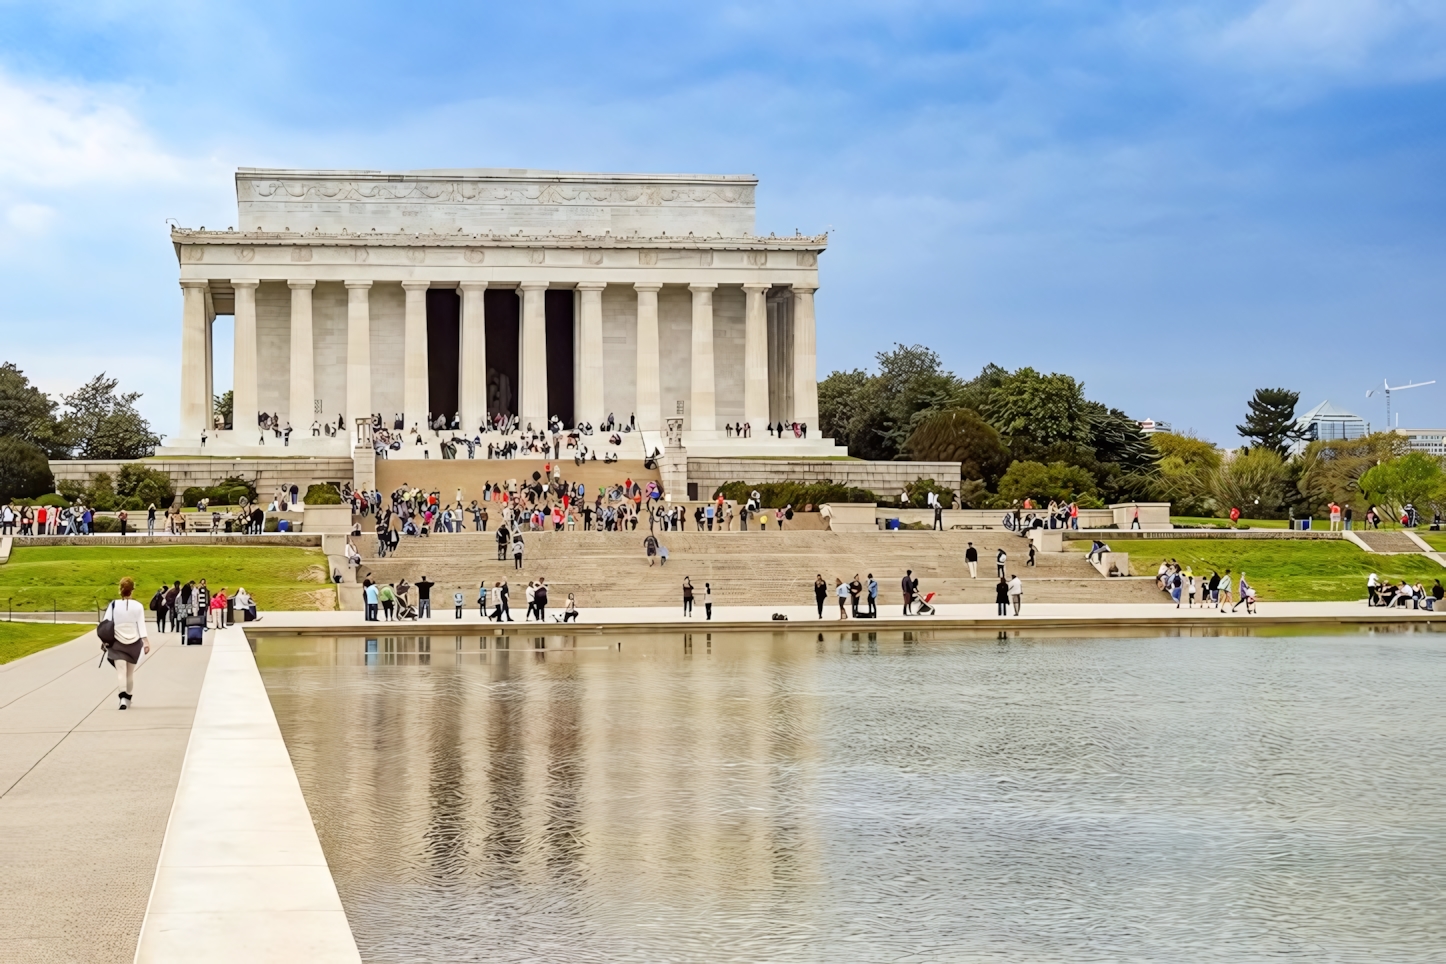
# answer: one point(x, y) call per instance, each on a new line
point(124, 640)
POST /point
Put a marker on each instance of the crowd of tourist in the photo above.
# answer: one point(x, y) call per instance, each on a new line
point(1214, 591)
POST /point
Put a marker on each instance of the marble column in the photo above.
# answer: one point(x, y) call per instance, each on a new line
point(701, 417)
point(755, 356)
point(414, 356)
point(358, 353)
point(245, 405)
point(805, 360)
point(473, 391)
point(649, 379)
point(301, 401)
point(590, 352)
point(194, 403)
point(533, 403)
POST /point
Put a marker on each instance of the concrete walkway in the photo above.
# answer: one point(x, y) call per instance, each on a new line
point(85, 793)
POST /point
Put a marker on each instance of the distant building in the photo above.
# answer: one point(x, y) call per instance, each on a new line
point(1326, 423)
point(1432, 441)
point(1149, 426)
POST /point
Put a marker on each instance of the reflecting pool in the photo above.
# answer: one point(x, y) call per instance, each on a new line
point(875, 796)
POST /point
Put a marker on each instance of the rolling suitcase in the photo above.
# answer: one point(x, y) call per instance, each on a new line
point(195, 630)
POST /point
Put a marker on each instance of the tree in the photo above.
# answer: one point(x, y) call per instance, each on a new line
point(1056, 481)
point(1271, 420)
point(1331, 471)
point(1413, 478)
point(1184, 471)
point(105, 425)
point(222, 404)
point(875, 414)
point(1254, 481)
point(142, 486)
point(28, 413)
point(1041, 410)
point(24, 470)
point(959, 435)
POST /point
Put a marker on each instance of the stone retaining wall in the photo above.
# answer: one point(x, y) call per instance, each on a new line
point(884, 479)
point(267, 473)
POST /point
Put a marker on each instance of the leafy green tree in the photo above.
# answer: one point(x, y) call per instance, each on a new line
point(1056, 481)
point(28, 413)
point(1254, 480)
point(1183, 472)
point(1271, 419)
point(24, 470)
point(222, 405)
point(1413, 478)
point(1331, 471)
point(960, 435)
point(1041, 410)
point(875, 414)
point(104, 424)
point(140, 483)
point(100, 492)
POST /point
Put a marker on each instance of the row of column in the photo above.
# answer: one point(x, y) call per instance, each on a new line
point(472, 400)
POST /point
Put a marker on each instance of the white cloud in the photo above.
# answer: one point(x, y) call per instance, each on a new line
point(30, 218)
point(1340, 35)
point(54, 134)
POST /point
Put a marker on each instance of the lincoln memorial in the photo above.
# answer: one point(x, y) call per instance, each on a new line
point(473, 294)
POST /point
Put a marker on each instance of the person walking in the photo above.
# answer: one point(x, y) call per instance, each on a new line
point(971, 558)
point(1224, 590)
point(482, 599)
point(842, 592)
point(1245, 593)
point(1030, 561)
point(650, 546)
point(687, 596)
point(906, 585)
point(506, 594)
point(517, 549)
point(873, 597)
point(1016, 592)
point(707, 601)
point(539, 599)
point(128, 639)
point(1000, 558)
point(820, 592)
point(1001, 596)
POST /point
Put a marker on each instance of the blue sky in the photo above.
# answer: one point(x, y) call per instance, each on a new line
point(1176, 203)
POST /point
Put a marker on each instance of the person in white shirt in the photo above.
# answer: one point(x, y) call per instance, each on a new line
point(1016, 592)
point(131, 641)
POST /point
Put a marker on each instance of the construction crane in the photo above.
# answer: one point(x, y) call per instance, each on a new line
point(1387, 388)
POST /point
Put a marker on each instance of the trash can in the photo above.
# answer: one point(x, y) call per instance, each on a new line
point(230, 610)
point(1304, 524)
point(283, 525)
point(891, 523)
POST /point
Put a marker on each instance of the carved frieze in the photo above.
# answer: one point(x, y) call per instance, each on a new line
point(705, 258)
point(536, 255)
point(245, 255)
point(806, 259)
point(300, 253)
point(759, 259)
point(416, 255)
point(359, 255)
point(594, 257)
point(193, 253)
point(521, 192)
point(647, 257)
point(475, 255)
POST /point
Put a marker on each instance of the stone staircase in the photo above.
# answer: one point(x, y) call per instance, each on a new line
point(772, 568)
point(470, 475)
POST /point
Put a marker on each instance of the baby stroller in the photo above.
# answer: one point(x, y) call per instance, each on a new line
point(926, 605)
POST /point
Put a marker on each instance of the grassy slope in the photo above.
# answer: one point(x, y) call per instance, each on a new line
point(81, 577)
point(22, 639)
point(1281, 570)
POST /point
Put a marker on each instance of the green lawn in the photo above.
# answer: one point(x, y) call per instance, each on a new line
point(1194, 520)
point(1281, 570)
point(22, 639)
point(1436, 540)
point(78, 578)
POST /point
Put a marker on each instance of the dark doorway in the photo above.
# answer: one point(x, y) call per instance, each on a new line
point(444, 335)
point(503, 311)
point(559, 355)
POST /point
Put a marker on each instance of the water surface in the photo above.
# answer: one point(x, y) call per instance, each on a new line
point(867, 797)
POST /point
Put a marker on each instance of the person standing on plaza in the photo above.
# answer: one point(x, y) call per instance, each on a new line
point(1000, 558)
point(151, 519)
point(1030, 561)
point(1001, 596)
point(387, 596)
point(1335, 511)
point(906, 586)
point(1016, 592)
point(707, 601)
point(517, 549)
point(938, 513)
point(856, 589)
point(971, 558)
point(539, 599)
point(873, 597)
point(842, 592)
point(687, 596)
point(820, 592)
point(1074, 515)
point(128, 639)
point(650, 546)
point(424, 598)
point(369, 594)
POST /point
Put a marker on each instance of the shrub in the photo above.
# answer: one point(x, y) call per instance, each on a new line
point(106, 523)
point(919, 491)
point(776, 495)
point(138, 482)
point(1056, 481)
point(322, 493)
point(24, 470)
point(100, 493)
point(71, 489)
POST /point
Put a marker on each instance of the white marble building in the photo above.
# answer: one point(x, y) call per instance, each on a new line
point(474, 292)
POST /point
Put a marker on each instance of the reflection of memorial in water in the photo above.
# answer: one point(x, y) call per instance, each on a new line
point(870, 796)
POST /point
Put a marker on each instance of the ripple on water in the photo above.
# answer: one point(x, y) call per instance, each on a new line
point(788, 798)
